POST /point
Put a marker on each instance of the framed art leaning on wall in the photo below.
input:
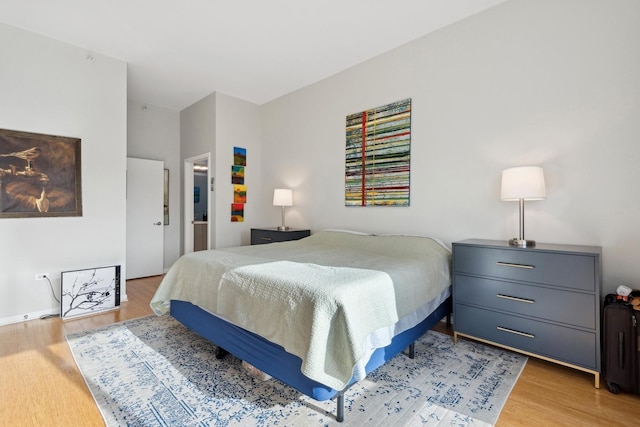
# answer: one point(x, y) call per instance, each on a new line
point(89, 291)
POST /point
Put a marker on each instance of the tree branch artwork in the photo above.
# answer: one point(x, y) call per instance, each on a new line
point(90, 291)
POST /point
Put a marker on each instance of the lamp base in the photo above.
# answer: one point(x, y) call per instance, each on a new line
point(284, 228)
point(522, 243)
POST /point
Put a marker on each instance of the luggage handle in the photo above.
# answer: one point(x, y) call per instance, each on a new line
point(621, 350)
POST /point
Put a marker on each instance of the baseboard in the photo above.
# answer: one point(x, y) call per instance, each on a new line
point(38, 314)
point(29, 316)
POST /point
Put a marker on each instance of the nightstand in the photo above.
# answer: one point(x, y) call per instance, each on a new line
point(543, 301)
point(261, 236)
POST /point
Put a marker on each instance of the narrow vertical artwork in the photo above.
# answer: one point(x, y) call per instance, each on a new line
point(166, 197)
point(378, 154)
point(237, 179)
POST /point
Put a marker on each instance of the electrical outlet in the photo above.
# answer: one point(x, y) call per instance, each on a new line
point(42, 276)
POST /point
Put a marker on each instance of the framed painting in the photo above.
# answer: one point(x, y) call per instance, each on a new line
point(39, 175)
point(89, 291)
point(166, 197)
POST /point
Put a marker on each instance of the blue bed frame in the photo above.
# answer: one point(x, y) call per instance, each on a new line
point(275, 361)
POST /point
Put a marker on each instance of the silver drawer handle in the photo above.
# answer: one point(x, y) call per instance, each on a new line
point(508, 264)
point(266, 238)
point(528, 301)
point(524, 334)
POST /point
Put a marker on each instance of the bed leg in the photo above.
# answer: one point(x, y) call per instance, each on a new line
point(448, 320)
point(221, 353)
point(412, 350)
point(340, 407)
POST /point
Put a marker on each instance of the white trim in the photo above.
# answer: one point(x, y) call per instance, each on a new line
point(29, 316)
point(36, 315)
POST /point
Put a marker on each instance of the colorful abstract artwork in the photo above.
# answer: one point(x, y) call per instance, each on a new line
point(237, 179)
point(239, 194)
point(239, 156)
point(378, 153)
point(237, 174)
point(237, 212)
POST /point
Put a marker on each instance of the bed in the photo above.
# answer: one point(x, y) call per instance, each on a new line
point(318, 313)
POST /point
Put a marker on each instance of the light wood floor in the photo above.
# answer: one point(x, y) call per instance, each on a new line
point(40, 384)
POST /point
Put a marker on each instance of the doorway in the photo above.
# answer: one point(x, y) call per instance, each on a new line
point(198, 214)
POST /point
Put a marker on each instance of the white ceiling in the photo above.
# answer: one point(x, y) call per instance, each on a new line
point(179, 51)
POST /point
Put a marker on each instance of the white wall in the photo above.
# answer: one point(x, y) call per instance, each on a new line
point(154, 133)
point(237, 125)
point(197, 137)
point(49, 87)
point(216, 124)
point(550, 83)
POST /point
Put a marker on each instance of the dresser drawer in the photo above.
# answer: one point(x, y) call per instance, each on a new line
point(564, 344)
point(566, 270)
point(544, 303)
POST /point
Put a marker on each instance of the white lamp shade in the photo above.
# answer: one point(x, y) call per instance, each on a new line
point(282, 197)
point(526, 182)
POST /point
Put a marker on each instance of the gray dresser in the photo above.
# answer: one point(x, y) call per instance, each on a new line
point(542, 301)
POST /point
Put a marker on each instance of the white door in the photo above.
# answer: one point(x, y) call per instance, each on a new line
point(145, 215)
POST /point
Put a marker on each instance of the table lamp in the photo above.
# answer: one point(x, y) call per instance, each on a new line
point(520, 184)
point(282, 197)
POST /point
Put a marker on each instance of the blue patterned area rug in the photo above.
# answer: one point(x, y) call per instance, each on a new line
point(154, 372)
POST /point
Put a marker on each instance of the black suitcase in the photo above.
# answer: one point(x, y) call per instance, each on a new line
point(621, 352)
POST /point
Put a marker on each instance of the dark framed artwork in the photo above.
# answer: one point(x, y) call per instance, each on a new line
point(40, 175)
point(166, 197)
point(89, 291)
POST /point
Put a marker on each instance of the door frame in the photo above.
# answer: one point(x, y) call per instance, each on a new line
point(188, 201)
